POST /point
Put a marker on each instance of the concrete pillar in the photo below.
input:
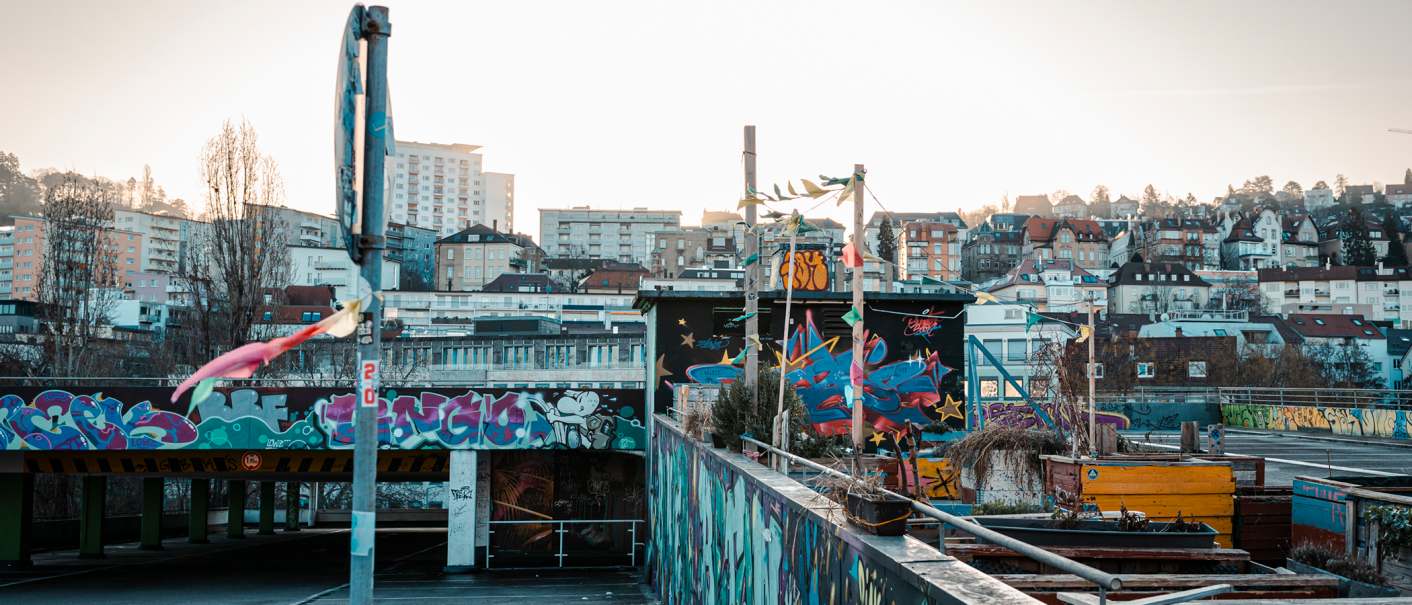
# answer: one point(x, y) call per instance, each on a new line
point(267, 508)
point(16, 514)
point(200, 500)
point(291, 506)
point(460, 500)
point(235, 513)
point(152, 500)
point(315, 489)
point(90, 513)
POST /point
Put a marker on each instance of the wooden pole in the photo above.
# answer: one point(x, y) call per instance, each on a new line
point(860, 245)
point(795, 221)
point(1092, 377)
point(752, 279)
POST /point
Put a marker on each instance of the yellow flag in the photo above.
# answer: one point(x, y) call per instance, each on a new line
point(749, 201)
point(871, 256)
point(1084, 330)
point(847, 191)
point(813, 190)
point(791, 188)
point(986, 297)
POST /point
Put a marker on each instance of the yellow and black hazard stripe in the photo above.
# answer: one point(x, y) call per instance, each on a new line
point(230, 461)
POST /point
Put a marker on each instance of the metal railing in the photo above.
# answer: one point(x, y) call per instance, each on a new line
point(1105, 581)
point(1337, 398)
point(559, 556)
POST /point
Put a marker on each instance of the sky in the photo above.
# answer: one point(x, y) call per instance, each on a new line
point(623, 105)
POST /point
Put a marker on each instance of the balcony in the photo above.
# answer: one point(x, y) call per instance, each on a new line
point(311, 238)
point(308, 224)
point(1390, 292)
point(149, 318)
point(329, 266)
point(1392, 307)
point(519, 262)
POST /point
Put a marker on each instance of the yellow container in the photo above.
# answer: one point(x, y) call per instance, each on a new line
point(1198, 490)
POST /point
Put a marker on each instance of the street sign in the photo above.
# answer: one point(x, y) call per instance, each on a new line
point(348, 92)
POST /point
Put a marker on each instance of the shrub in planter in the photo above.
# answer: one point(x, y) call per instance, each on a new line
point(732, 417)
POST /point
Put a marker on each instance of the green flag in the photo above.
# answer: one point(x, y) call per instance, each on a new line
point(852, 316)
point(931, 280)
point(744, 317)
point(741, 357)
point(750, 261)
point(1031, 320)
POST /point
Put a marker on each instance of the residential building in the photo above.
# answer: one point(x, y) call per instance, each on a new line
point(870, 229)
point(531, 352)
point(1123, 208)
point(442, 313)
point(1399, 343)
point(1318, 199)
point(1269, 334)
point(413, 248)
point(521, 282)
point(1253, 241)
point(616, 279)
point(1084, 242)
point(1034, 205)
point(310, 228)
point(1005, 333)
point(1049, 285)
point(441, 187)
point(1365, 291)
point(1299, 246)
point(319, 266)
point(1333, 235)
point(499, 201)
point(990, 253)
point(676, 250)
point(7, 261)
point(1233, 290)
point(1156, 287)
point(17, 316)
point(1346, 331)
point(475, 256)
point(161, 238)
point(701, 279)
point(138, 315)
point(149, 287)
point(123, 249)
point(288, 310)
point(1175, 240)
point(1366, 194)
point(933, 250)
point(622, 235)
point(1399, 195)
point(1072, 206)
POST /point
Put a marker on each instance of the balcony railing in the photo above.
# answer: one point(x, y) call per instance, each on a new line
point(322, 265)
point(538, 365)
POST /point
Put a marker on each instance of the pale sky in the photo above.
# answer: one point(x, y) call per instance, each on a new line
point(950, 105)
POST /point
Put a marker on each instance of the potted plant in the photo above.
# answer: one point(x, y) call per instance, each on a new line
point(878, 513)
point(1356, 579)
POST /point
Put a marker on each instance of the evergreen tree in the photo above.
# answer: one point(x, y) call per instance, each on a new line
point(1358, 249)
point(1396, 251)
point(1407, 178)
point(887, 241)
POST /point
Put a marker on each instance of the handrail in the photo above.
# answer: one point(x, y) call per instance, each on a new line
point(1104, 580)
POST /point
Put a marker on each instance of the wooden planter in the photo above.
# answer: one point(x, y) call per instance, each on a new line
point(885, 517)
point(1199, 490)
point(1263, 523)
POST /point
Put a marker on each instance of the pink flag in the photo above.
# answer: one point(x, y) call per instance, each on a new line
point(851, 258)
point(855, 373)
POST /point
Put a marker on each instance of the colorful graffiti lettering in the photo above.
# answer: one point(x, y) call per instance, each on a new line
point(713, 344)
point(893, 394)
point(1392, 424)
point(921, 326)
point(811, 272)
point(312, 418)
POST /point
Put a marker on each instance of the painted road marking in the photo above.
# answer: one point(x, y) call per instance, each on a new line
point(1283, 461)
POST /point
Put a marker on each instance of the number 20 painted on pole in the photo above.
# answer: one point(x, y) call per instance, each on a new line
point(368, 384)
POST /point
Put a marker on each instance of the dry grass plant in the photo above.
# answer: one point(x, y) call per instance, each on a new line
point(1020, 449)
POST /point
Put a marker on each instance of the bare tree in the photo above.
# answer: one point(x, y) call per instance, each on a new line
point(1160, 299)
point(241, 250)
point(1240, 293)
point(79, 286)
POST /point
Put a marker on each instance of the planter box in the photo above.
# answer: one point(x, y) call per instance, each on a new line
point(881, 517)
point(1347, 589)
point(1005, 484)
point(1198, 490)
point(1097, 533)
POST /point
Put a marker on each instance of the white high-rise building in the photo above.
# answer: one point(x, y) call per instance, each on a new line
point(621, 235)
point(161, 246)
point(500, 201)
point(441, 187)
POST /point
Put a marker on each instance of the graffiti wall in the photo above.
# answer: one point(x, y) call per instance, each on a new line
point(592, 489)
point(722, 537)
point(1125, 415)
point(1392, 424)
point(320, 418)
point(912, 353)
point(811, 270)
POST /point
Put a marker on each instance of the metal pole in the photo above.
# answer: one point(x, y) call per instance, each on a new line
point(752, 279)
point(859, 243)
point(376, 29)
point(1092, 376)
point(796, 220)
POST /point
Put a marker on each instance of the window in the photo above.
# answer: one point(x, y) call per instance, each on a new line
point(1145, 370)
point(1097, 370)
point(1012, 314)
point(1015, 350)
point(1196, 369)
point(268, 314)
point(1367, 286)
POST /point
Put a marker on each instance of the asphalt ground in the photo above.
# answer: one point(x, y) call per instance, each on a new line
point(1288, 455)
point(310, 566)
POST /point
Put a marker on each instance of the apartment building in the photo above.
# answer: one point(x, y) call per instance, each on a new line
point(870, 228)
point(162, 240)
point(1178, 240)
point(932, 250)
point(1156, 287)
point(677, 250)
point(1123, 208)
point(990, 253)
point(1072, 206)
point(319, 266)
point(1318, 199)
point(622, 235)
point(1299, 241)
point(1374, 292)
point(1034, 205)
point(1084, 242)
point(470, 259)
point(1050, 285)
point(7, 260)
point(441, 313)
point(122, 248)
point(1005, 333)
point(1333, 236)
point(441, 187)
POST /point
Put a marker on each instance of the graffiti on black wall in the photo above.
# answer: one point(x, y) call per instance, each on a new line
point(320, 418)
point(910, 360)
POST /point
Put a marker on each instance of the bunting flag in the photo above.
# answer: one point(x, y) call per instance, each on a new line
point(242, 362)
point(790, 186)
point(848, 192)
point(744, 317)
point(756, 339)
point(1031, 320)
point(782, 196)
point(986, 297)
point(750, 260)
point(855, 373)
point(1085, 331)
point(851, 258)
point(741, 357)
point(870, 256)
point(773, 214)
point(931, 280)
point(748, 201)
point(852, 316)
point(831, 181)
point(813, 190)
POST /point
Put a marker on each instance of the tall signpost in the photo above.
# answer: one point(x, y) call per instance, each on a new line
point(859, 244)
point(362, 140)
point(752, 278)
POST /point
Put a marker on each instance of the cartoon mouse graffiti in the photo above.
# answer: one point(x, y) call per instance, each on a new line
point(571, 415)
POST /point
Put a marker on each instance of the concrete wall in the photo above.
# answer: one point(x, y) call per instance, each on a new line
point(1392, 424)
point(729, 530)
